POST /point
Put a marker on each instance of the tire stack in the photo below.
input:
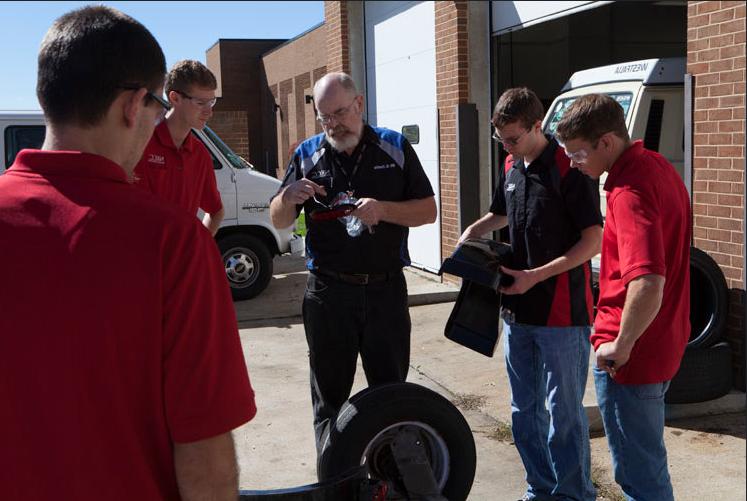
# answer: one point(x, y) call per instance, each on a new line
point(705, 372)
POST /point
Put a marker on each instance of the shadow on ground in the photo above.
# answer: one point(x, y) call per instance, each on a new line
point(725, 424)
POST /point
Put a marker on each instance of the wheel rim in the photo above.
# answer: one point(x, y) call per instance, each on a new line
point(242, 267)
point(378, 458)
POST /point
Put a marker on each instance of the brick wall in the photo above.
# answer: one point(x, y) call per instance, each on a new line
point(237, 66)
point(231, 127)
point(338, 36)
point(291, 71)
point(716, 57)
point(452, 88)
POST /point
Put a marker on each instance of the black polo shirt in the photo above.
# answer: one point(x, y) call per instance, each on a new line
point(384, 167)
point(548, 204)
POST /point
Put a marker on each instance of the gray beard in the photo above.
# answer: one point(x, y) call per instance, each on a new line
point(349, 142)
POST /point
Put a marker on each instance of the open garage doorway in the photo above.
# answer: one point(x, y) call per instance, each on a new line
point(541, 44)
point(542, 56)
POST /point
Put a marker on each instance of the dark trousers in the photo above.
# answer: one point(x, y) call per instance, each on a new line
point(342, 320)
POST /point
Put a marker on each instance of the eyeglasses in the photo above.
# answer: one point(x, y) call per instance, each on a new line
point(336, 116)
point(151, 95)
point(510, 141)
point(202, 103)
point(578, 157)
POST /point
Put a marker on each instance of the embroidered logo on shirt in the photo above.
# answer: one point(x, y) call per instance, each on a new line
point(156, 159)
point(320, 173)
point(510, 187)
point(384, 166)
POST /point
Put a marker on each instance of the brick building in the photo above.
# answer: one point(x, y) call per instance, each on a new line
point(263, 109)
point(482, 48)
point(436, 68)
point(240, 116)
point(716, 59)
point(290, 71)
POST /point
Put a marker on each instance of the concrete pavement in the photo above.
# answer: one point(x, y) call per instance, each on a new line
point(276, 449)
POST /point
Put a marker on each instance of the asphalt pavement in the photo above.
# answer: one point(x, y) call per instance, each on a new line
point(705, 442)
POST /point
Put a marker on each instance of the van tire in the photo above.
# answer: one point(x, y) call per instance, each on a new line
point(704, 374)
point(367, 423)
point(709, 300)
point(248, 264)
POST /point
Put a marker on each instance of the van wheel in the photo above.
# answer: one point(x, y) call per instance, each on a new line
point(248, 264)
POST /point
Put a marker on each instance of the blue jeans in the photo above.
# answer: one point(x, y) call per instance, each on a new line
point(633, 417)
point(547, 370)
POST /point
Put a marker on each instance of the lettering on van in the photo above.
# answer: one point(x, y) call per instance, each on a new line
point(631, 68)
point(249, 207)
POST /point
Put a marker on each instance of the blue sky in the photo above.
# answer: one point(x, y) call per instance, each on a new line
point(185, 30)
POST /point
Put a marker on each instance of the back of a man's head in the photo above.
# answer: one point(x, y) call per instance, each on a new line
point(187, 73)
point(519, 104)
point(590, 117)
point(87, 57)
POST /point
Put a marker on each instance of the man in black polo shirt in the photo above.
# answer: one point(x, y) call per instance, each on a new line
point(554, 222)
point(356, 295)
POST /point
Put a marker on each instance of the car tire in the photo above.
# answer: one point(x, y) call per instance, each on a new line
point(709, 300)
point(248, 264)
point(366, 424)
point(704, 374)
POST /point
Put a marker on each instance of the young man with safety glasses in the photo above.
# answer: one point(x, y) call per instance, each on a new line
point(643, 314)
point(176, 166)
point(552, 213)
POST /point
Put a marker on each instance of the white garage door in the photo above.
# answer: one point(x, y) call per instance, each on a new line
point(401, 91)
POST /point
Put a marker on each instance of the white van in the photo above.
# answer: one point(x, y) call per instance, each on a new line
point(246, 239)
point(651, 93)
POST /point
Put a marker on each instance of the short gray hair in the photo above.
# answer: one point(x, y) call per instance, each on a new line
point(342, 79)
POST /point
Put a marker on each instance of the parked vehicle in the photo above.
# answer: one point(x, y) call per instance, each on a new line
point(651, 93)
point(246, 239)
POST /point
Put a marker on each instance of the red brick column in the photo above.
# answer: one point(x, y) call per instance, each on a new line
point(716, 57)
point(338, 46)
point(452, 88)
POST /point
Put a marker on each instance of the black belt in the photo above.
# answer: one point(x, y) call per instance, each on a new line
point(357, 278)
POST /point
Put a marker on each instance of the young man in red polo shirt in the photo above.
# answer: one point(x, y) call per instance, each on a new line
point(176, 166)
point(122, 372)
point(643, 315)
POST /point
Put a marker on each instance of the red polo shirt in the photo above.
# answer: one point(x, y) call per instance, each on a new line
point(647, 231)
point(117, 333)
point(183, 176)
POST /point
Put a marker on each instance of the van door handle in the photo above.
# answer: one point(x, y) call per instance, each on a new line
point(233, 177)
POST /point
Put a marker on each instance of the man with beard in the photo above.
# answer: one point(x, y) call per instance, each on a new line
point(356, 295)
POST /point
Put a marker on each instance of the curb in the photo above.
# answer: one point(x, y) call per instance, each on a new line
point(416, 298)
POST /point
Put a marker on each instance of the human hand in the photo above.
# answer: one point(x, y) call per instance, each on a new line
point(523, 281)
point(611, 356)
point(297, 193)
point(369, 210)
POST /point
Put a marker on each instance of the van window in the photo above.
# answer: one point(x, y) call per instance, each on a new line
point(653, 127)
point(236, 161)
point(18, 137)
point(624, 98)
